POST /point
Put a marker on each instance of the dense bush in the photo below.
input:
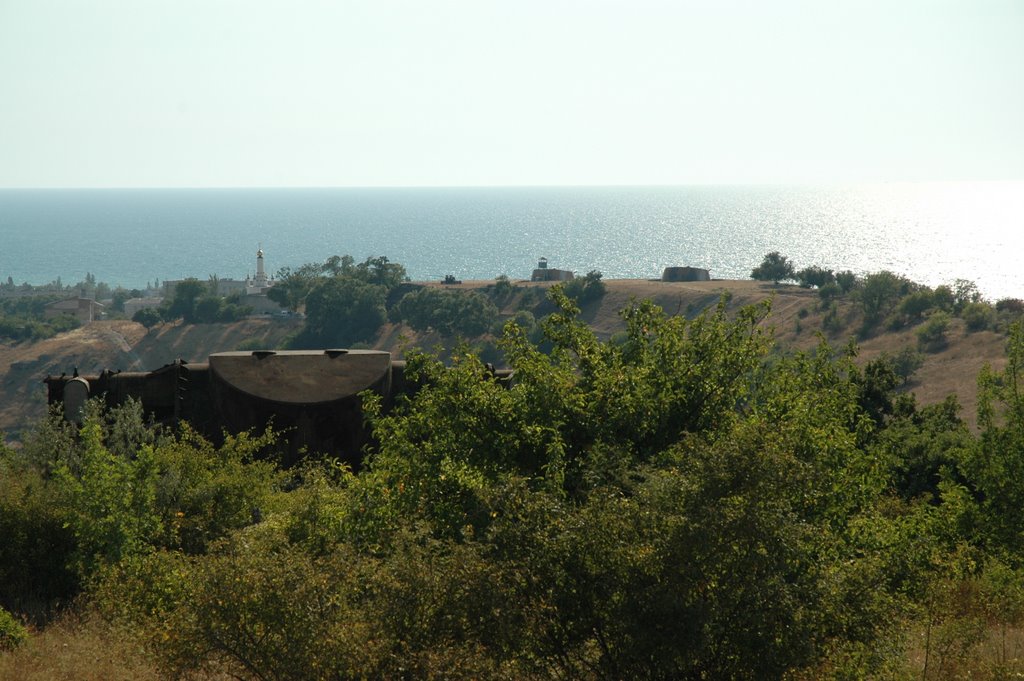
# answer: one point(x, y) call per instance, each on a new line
point(341, 311)
point(587, 289)
point(148, 317)
point(815, 276)
point(932, 334)
point(775, 267)
point(12, 633)
point(449, 312)
point(879, 294)
point(978, 316)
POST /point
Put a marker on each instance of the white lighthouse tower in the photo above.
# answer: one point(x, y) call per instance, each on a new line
point(259, 283)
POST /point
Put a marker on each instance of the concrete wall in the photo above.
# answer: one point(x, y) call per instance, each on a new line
point(685, 274)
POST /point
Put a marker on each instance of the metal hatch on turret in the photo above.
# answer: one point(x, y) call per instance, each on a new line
point(303, 377)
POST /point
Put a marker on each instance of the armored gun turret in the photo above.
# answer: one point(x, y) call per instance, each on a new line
point(311, 397)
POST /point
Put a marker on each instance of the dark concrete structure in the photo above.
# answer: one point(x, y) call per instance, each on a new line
point(685, 274)
point(311, 397)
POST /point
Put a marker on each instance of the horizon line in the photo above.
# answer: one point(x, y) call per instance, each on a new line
point(835, 183)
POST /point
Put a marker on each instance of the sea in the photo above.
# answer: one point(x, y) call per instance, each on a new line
point(932, 233)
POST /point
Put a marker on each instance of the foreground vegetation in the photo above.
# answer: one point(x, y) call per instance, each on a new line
point(683, 502)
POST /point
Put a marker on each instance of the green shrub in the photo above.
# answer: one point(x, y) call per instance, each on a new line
point(449, 312)
point(815, 276)
point(1011, 305)
point(502, 288)
point(916, 304)
point(978, 316)
point(906, 362)
point(148, 317)
point(775, 268)
point(12, 633)
point(846, 281)
point(931, 337)
point(829, 292)
point(586, 289)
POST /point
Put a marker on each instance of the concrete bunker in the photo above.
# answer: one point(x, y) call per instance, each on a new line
point(311, 397)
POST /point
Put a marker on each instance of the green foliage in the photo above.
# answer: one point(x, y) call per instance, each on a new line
point(999, 453)
point(914, 305)
point(964, 293)
point(12, 633)
point(683, 502)
point(23, 318)
point(341, 311)
point(978, 316)
point(110, 502)
point(183, 304)
point(829, 292)
point(1011, 305)
point(148, 317)
point(775, 267)
point(449, 312)
point(380, 271)
point(830, 321)
point(36, 546)
point(906, 362)
point(931, 337)
point(880, 293)
point(846, 281)
point(204, 492)
point(292, 286)
point(815, 276)
point(501, 289)
point(586, 289)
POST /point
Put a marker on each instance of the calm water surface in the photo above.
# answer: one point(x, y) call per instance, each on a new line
point(931, 232)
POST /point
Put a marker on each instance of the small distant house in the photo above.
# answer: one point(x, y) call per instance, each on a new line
point(83, 309)
point(133, 305)
point(685, 274)
point(545, 273)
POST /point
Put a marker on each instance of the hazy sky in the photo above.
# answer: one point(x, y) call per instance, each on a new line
point(194, 93)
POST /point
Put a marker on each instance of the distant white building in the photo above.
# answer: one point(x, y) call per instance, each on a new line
point(260, 283)
point(83, 309)
point(133, 305)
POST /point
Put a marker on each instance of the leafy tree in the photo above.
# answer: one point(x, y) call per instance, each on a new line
point(183, 304)
point(341, 311)
point(916, 304)
point(148, 317)
point(932, 334)
point(586, 289)
point(943, 298)
point(815, 276)
point(1011, 305)
point(502, 288)
point(292, 286)
point(449, 312)
point(207, 309)
point(775, 268)
point(879, 294)
point(846, 280)
point(381, 272)
point(964, 293)
point(978, 316)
